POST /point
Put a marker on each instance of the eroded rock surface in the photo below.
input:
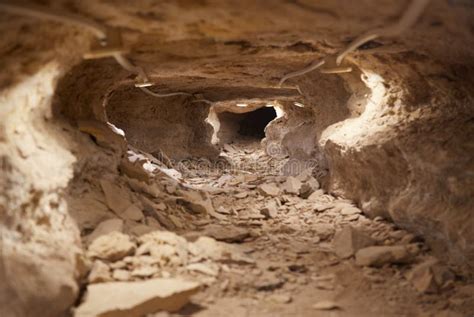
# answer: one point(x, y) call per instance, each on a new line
point(391, 140)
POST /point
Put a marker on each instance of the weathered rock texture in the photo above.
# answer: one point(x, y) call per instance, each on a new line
point(39, 242)
point(396, 135)
point(173, 125)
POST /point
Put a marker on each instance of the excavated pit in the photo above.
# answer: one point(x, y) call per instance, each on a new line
point(346, 192)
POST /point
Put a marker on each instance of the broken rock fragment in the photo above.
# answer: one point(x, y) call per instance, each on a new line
point(117, 198)
point(323, 230)
point(104, 134)
point(121, 275)
point(326, 305)
point(430, 276)
point(350, 210)
point(349, 240)
point(133, 213)
point(111, 247)
point(204, 268)
point(165, 247)
point(136, 299)
point(380, 255)
point(268, 282)
point(270, 210)
point(99, 273)
point(292, 185)
point(106, 227)
point(269, 190)
point(280, 298)
point(206, 248)
point(227, 233)
point(309, 186)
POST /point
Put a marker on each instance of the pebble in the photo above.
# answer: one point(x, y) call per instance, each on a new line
point(378, 256)
point(326, 305)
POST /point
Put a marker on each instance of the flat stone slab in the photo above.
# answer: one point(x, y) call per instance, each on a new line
point(136, 299)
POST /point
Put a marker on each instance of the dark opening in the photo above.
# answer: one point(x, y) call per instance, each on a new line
point(250, 125)
point(253, 123)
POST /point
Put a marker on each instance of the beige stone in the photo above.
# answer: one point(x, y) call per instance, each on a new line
point(132, 213)
point(379, 255)
point(116, 197)
point(326, 305)
point(100, 273)
point(135, 299)
point(111, 247)
point(430, 276)
point(349, 240)
point(269, 190)
point(292, 185)
point(227, 233)
point(106, 227)
point(121, 275)
point(270, 210)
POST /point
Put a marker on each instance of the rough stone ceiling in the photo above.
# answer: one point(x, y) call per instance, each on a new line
point(257, 42)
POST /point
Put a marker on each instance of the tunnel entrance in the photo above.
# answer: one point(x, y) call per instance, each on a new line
point(253, 123)
point(249, 125)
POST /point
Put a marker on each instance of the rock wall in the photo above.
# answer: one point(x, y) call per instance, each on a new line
point(401, 144)
point(40, 249)
point(409, 156)
point(173, 125)
point(39, 242)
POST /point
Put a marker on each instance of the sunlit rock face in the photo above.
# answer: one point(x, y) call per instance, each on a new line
point(39, 242)
point(406, 158)
point(395, 135)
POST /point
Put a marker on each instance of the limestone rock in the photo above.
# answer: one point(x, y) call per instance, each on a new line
point(241, 195)
point(430, 276)
point(204, 268)
point(105, 227)
point(316, 195)
point(144, 271)
point(132, 213)
point(227, 233)
point(140, 230)
point(121, 275)
point(111, 247)
point(269, 281)
point(292, 185)
point(269, 190)
point(350, 210)
point(223, 210)
point(379, 255)
point(136, 299)
point(323, 231)
point(116, 197)
point(164, 247)
point(197, 201)
point(104, 134)
point(349, 240)
point(280, 298)
point(206, 248)
point(309, 188)
point(100, 273)
point(345, 208)
point(134, 168)
point(270, 210)
point(326, 305)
